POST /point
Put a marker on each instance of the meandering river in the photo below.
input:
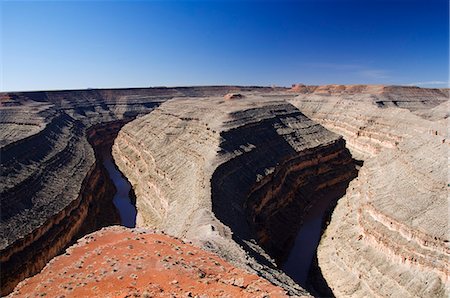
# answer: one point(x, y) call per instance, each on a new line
point(121, 200)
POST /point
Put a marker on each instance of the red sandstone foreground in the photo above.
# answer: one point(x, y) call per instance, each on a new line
point(121, 262)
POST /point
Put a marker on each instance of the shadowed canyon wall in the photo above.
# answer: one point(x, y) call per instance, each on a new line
point(92, 210)
point(286, 163)
point(52, 190)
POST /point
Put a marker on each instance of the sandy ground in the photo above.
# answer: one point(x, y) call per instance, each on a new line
point(121, 262)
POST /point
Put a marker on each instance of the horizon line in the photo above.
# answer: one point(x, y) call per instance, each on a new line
point(274, 86)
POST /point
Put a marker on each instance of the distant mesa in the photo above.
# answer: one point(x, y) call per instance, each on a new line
point(337, 89)
point(301, 88)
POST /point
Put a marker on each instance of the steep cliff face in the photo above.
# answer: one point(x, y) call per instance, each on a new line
point(277, 205)
point(52, 190)
point(91, 210)
point(29, 255)
point(235, 176)
point(388, 234)
point(210, 170)
point(277, 164)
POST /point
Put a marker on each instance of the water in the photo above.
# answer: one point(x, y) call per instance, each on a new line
point(121, 200)
point(305, 247)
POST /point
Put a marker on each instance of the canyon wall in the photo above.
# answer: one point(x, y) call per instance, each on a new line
point(225, 173)
point(389, 234)
point(371, 118)
point(229, 173)
point(52, 190)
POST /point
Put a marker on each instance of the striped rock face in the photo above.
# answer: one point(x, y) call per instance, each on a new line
point(388, 235)
point(235, 170)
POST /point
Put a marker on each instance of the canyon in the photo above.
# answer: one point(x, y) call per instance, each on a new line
point(389, 232)
point(238, 172)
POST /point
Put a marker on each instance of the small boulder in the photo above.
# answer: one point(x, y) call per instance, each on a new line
point(230, 96)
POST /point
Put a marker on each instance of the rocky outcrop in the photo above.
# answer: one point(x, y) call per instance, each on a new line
point(214, 169)
point(91, 210)
point(277, 165)
point(231, 96)
point(29, 255)
point(122, 262)
point(278, 204)
point(372, 118)
point(389, 234)
point(15, 123)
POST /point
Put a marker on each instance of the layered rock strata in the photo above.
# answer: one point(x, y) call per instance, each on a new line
point(222, 172)
point(371, 117)
point(389, 234)
point(120, 262)
point(51, 187)
point(49, 176)
point(52, 190)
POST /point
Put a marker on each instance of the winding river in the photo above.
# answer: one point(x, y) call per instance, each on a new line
point(121, 200)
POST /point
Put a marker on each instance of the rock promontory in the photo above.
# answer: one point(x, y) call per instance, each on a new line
point(120, 262)
point(53, 187)
point(235, 177)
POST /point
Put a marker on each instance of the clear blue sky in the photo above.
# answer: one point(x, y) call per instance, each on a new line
point(62, 45)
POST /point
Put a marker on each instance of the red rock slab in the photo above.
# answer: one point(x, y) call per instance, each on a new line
point(121, 262)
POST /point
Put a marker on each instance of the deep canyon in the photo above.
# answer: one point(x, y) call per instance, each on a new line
point(238, 172)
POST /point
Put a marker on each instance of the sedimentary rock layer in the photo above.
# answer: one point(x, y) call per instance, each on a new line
point(214, 171)
point(389, 233)
point(47, 164)
point(372, 117)
point(228, 173)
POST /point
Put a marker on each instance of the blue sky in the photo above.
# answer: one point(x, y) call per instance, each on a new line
point(82, 44)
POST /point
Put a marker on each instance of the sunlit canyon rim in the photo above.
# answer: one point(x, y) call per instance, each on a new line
point(238, 172)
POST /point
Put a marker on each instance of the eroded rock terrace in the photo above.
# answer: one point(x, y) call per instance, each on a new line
point(389, 233)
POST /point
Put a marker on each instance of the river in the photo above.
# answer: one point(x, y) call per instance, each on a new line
point(304, 250)
point(121, 200)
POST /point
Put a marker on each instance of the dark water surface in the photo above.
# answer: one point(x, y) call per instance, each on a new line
point(121, 199)
point(304, 250)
